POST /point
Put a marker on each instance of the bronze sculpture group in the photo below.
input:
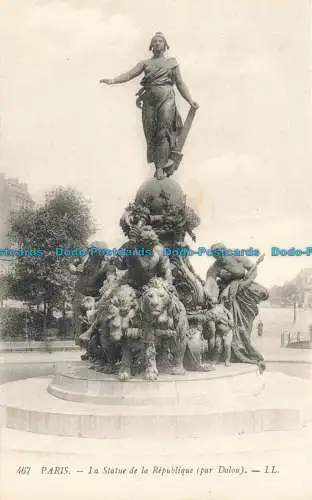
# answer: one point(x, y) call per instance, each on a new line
point(152, 313)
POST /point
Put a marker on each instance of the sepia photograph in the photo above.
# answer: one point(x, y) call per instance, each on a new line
point(155, 250)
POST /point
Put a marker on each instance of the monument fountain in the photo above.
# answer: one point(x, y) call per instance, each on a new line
point(167, 353)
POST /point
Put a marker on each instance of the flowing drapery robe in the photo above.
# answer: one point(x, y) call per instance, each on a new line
point(162, 122)
point(244, 295)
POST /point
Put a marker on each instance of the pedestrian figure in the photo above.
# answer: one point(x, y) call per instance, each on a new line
point(260, 328)
point(310, 333)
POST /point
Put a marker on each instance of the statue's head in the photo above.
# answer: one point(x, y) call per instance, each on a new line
point(121, 310)
point(158, 43)
point(218, 250)
point(156, 298)
point(147, 237)
point(124, 300)
point(87, 305)
point(160, 305)
point(96, 256)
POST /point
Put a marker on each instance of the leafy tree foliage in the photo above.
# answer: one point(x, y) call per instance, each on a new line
point(63, 220)
point(285, 295)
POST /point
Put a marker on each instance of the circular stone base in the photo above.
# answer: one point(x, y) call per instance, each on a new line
point(194, 405)
point(212, 388)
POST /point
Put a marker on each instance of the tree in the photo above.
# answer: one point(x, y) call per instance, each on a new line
point(285, 295)
point(290, 293)
point(63, 220)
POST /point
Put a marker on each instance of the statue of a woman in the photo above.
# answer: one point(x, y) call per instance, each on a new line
point(161, 120)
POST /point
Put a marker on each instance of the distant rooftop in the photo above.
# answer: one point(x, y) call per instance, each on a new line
point(303, 278)
point(15, 186)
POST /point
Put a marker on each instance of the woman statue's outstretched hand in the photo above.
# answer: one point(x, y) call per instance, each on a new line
point(194, 105)
point(139, 102)
point(108, 81)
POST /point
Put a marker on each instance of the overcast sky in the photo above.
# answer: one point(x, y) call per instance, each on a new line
point(247, 164)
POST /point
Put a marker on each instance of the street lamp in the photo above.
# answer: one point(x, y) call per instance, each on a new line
point(295, 310)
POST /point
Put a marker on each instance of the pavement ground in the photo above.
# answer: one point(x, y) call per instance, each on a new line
point(273, 465)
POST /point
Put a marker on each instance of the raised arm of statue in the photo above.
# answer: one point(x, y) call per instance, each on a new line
point(249, 278)
point(125, 77)
point(183, 88)
point(250, 271)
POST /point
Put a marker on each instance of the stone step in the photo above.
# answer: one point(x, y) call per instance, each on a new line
point(29, 407)
point(81, 384)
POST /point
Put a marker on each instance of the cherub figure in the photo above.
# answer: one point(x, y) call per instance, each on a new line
point(219, 328)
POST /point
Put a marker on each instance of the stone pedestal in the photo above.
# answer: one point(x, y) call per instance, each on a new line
point(82, 403)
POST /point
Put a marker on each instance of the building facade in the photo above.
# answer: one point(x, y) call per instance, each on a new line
point(14, 196)
point(304, 282)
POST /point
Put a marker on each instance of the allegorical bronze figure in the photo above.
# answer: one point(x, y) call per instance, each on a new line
point(162, 123)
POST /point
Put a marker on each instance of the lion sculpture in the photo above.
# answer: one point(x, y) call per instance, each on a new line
point(121, 326)
point(143, 330)
point(114, 330)
point(164, 328)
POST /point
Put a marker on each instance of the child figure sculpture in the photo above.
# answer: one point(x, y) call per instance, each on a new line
point(219, 327)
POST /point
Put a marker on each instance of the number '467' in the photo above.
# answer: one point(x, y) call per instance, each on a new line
point(23, 469)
